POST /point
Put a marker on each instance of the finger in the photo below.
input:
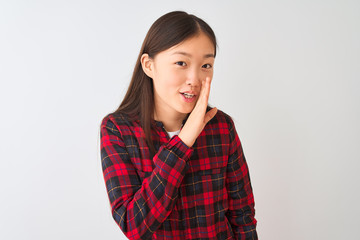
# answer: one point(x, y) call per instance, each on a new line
point(206, 89)
point(203, 98)
point(208, 83)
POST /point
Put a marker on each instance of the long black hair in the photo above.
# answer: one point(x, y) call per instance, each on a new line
point(167, 31)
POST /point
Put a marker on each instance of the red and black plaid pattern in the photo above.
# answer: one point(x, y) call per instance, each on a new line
point(202, 192)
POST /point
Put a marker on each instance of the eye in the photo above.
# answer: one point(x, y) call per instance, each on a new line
point(181, 63)
point(207, 65)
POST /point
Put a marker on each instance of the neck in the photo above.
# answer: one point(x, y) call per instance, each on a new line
point(171, 123)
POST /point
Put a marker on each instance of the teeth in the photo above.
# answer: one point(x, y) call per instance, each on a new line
point(188, 95)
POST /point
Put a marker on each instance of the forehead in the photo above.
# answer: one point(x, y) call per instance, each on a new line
point(194, 46)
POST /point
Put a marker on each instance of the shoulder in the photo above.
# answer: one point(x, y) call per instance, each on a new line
point(223, 119)
point(117, 121)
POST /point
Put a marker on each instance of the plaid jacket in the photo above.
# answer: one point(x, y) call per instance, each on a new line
point(198, 192)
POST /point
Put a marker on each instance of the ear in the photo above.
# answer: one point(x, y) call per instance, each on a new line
point(147, 65)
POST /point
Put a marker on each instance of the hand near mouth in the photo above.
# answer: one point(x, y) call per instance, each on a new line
point(198, 118)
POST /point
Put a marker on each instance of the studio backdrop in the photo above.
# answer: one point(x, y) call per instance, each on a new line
point(286, 71)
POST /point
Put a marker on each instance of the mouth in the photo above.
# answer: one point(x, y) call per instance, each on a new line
point(188, 95)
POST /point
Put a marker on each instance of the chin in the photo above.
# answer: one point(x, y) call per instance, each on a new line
point(186, 110)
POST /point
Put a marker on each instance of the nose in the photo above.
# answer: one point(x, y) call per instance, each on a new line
point(194, 78)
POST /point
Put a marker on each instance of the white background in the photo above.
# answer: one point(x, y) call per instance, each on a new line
point(286, 71)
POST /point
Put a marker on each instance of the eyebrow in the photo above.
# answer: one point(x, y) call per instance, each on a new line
point(189, 55)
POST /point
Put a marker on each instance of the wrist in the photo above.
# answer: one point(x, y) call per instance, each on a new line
point(185, 140)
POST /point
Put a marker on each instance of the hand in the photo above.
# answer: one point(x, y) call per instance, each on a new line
point(198, 118)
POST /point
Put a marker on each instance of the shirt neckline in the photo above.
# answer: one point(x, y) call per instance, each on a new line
point(161, 124)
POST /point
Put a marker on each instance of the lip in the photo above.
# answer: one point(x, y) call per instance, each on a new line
point(189, 92)
point(189, 100)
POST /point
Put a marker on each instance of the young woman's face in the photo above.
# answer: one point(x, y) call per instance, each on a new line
point(181, 69)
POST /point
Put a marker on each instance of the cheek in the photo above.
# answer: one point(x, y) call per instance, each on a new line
point(205, 74)
point(165, 86)
point(171, 79)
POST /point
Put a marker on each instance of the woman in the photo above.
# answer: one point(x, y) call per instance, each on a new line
point(173, 166)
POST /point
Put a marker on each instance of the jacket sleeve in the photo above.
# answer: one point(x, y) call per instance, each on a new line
point(241, 212)
point(139, 208)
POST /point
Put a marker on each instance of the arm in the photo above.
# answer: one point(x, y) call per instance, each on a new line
point(241, 200)
point(139, 208)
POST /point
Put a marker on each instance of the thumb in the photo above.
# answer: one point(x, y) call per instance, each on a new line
point(210, 114)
